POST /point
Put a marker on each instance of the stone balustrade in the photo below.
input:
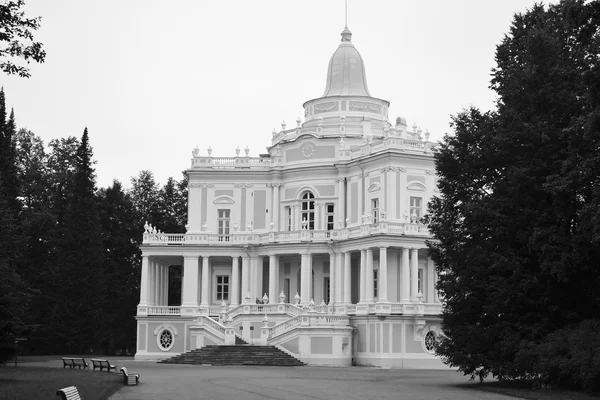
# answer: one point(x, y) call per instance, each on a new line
point(387, 143)
point(243, 238)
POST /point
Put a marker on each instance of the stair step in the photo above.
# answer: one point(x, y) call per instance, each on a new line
point(235, 355)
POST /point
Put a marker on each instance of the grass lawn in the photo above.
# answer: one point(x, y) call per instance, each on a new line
point(524, 390)
point(34, 383)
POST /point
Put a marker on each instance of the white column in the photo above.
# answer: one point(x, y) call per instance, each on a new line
point(305, 273)
point(414, 273)
point(405, 277)
point(155, 283)
point(276, 206)
point(339, 279)
point(190, 292)
point(273, 284)
point(347, 278)
point(259, 277)
point(361, 197)
point(403, 198)
point(369, 277)
point(390, 203)
point(383, 275)
point(341, 203)
point(252, 285)
point(332, 278)
point(144, 284)
point(245, 277)
point(194, 207)
point(363, 276)
point(166, 302)
point(161, 285)
point(205, 281)
point(235, 281)
point(269, 206)
point(430, 285)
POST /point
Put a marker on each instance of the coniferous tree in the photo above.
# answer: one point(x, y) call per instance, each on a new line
point(83, 258)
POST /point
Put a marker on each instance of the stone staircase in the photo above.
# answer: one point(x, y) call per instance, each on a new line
point(236, 355)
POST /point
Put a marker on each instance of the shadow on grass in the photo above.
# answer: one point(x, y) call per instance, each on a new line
point(525, 390)
point(34, 383)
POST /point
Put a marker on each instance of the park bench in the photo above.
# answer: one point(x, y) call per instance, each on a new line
point(130, 379)
point(73, 362)
point(68, 393)
point(99, 363)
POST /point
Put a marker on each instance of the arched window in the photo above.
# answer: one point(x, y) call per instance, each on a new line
point(308, 210)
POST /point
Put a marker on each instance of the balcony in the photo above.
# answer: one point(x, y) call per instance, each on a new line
point(244, 238)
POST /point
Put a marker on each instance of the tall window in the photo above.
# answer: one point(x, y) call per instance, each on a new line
point(420, 281)
point(326, 290)
point(415, 208)
point(330, 217)
point(222, 287)
point(223, 219)
point(375, 210)
point(375, 283)
point(308, 209)
point(288, 218)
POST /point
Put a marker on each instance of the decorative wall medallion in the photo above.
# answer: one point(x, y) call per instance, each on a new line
point(308, 150)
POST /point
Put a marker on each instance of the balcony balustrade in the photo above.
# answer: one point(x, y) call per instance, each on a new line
point(330, 311)
point(243, 238)
point(388, 143)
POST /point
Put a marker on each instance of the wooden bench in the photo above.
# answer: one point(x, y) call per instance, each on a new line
point(98, 363)
point(73, 362)
point(130, 379)
point(68, 393)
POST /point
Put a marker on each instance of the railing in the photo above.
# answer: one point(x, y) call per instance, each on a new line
point(240, 238)
point(433, 309)
point(328, 320)
point(329, 311)
point(212, 324)
point(164, 310)
point(285, 326)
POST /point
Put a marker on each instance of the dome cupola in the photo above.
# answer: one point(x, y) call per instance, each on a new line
point(346, 73)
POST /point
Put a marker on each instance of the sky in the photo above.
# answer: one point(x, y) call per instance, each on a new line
point(152, 79)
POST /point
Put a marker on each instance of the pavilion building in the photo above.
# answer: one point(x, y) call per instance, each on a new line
point(316, 247)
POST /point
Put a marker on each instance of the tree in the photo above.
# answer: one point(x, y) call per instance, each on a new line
point(517, 222)
point(15, 294)
point(121, 273)
point(173, 206)
point(16, 39)
point(145, 195)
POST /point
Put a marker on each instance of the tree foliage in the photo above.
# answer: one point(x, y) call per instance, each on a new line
point(518, 220)
point(16, 39)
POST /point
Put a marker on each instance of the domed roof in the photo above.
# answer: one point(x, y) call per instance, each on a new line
point(346, 73)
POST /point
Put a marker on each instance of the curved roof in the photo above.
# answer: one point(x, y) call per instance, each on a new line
point(346, 73)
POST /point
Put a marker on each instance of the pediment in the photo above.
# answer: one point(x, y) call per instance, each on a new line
point(224, 200)
point(418, 186)
point(374, 187)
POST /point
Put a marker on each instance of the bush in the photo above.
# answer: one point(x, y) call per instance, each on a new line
point(570, 357)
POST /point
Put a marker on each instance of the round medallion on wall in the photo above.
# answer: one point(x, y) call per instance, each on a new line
point(308, 150)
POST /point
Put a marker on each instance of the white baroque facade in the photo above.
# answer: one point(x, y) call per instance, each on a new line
point(325, 230)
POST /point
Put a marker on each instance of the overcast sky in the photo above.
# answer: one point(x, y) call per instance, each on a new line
point(152, 79)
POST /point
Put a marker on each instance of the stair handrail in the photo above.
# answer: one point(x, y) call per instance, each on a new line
point(294, 310)
point(213, 325)
point(235, 311)
point(285, 326)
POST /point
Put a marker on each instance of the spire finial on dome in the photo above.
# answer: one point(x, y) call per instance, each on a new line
point(346, 34)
